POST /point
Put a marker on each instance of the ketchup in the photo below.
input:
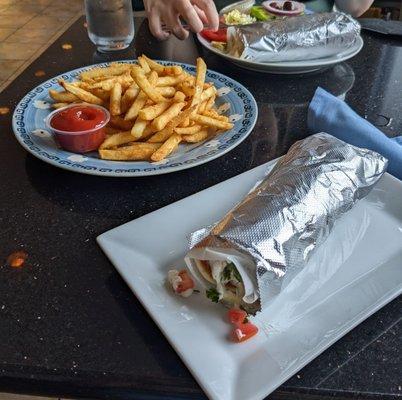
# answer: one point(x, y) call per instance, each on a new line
point(78, 119)
point(79, 128)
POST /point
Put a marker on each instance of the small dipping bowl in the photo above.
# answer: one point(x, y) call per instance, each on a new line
point(79, 141)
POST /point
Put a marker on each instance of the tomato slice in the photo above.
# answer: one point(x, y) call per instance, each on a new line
point(219, 36)
point(236, 316)
point(186, 282)
point(243, 332)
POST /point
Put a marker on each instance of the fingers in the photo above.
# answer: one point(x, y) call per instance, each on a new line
point(195, 17)
point(187, 11)
point(208, 6)
point(201, 14)
point(173, 23)
point(155, 27)
point(179, 31)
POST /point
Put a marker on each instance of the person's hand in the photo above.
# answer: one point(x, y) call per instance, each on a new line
point(196, 13)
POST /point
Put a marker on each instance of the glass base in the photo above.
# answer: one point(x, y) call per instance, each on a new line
point(113, 48)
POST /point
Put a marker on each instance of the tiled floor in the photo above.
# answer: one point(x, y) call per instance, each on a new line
point(27, 28)
point(9, 396)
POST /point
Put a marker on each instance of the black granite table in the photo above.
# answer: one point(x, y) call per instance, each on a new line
point(69, 325)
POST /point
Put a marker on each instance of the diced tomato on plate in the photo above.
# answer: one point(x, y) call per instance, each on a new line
point(186, 282)
point(243, 329)
point(236, 316)
point(243, 332)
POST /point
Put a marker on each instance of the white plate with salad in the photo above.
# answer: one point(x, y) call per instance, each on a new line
point(246, 12)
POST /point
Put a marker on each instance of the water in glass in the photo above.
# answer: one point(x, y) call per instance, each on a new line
point(110, 23)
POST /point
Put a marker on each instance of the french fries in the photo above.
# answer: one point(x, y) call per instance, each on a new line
point(153, 108)
point(196, 137)
point(139, 127)
point(214, 114)
point(170, 80)
point(202, 107)
point(111, 131)
point(208, 93)
point(199, 81)
point(102, 94)
point(151, 112)
point(210, 103)
point(187, 88)
point(160, 122)
point(179, 97)
point(60, 105)
point(166, 148)
point(117, 139)
point(129, 96)
point(115, 99)
point(175, 70)
point(114, 69)
point(190, 130)
point(135, 108)
point(62, 97)
point(211, 122)
point(140, 101)
point(119, 123)
point(154, 65)
point(165, 133)
point(81, 93)
point(135, 152)
point(142, 81)
point(166, 91)
point(144, 65)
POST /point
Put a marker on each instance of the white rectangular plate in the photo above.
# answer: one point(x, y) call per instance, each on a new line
point(353, 274)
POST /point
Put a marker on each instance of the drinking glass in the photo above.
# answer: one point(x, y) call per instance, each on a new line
point(110, 23)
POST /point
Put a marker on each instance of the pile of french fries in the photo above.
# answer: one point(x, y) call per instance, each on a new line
point(153, 107)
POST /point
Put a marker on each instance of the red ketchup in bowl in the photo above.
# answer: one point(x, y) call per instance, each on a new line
point(79, 128)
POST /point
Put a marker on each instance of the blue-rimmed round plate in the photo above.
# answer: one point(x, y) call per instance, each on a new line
point(233, 100)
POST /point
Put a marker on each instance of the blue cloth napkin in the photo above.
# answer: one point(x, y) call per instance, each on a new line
point(329, 114)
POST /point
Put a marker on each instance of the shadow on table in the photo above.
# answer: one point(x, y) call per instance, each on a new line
point(124, 199)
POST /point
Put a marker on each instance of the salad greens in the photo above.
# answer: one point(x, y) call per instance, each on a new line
point(230, 272)
point(213, 295)
point(260, 13)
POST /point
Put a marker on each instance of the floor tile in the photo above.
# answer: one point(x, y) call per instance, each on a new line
point(4, 32)
point(14, 20)
point(7, 68)
point(26, 28)
point(71, 6)
point(45, 22)
point(11, 396)
point(24, 35)
point(57, 12)
point(6, 3)
point(19, 11)
point(17, 51)
point(40, 2)
point(18, 6)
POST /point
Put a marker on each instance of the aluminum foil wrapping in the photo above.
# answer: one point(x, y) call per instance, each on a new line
point(306, 37)
point(293, 209)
